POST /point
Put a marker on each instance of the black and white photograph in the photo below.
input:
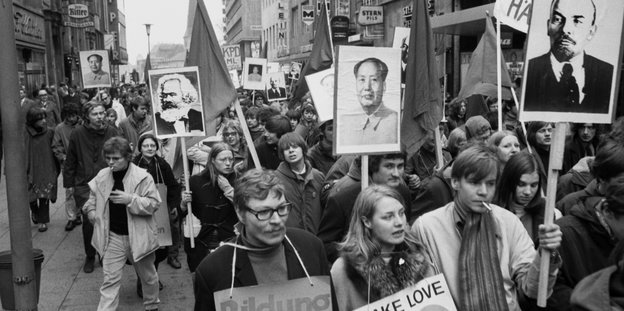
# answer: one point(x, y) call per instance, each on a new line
point(572, 51)
point(176, 102)
point(367, 100)
point(95, 68)
point(321, 85)
point(276, 86)
point(255, 70)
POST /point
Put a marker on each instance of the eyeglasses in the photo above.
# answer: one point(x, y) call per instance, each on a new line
point(229, 134)
point(281, 210)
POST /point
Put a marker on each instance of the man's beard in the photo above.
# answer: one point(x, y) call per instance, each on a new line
point(167, 104)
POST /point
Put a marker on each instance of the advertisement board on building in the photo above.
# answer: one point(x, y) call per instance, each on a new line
point(371, 15)
point(342, 8)
point(77, 11)
point(307, 14)
point(29, 27)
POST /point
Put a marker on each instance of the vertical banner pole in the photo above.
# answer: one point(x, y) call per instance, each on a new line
point(499, 78)
point(364, 169)
point(438, 143)
point(189, 215)
point(555, 164)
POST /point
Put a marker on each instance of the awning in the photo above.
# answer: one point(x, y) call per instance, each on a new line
point(468, 22)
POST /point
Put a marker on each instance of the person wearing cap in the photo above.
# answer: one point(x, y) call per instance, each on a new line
point(265, 250)
point(478, 129)
point(97, 76)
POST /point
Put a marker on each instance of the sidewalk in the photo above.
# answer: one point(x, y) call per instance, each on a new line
point(64, 286)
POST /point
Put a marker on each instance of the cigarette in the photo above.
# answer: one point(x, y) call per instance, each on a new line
point(489, 208)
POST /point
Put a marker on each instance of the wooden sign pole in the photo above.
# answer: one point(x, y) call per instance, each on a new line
point(438, 146)
point(189, 215)
point(364, 170)
point(554, 166)
point(247, 134)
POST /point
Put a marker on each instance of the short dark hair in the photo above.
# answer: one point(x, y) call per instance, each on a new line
point(137, 101)
point(288, 140)
point(98, 56)
point(293, 114)
point(265, 113)
point(252, 112)
point(70, 109)
point(35, 114)
point(279, 125)
point(381, 66)
point(533, 127)
point(117, 144)
point(256, 184)
point(375, 160)
point(475, 162)
point(609, 160)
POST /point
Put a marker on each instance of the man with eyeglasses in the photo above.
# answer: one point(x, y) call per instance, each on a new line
point(53, 113)
point(266, 251)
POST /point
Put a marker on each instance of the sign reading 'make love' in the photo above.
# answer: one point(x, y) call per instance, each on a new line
point(293, 295)
point(430, 294)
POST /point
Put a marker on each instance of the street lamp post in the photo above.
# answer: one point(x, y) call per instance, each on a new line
point(149, 46)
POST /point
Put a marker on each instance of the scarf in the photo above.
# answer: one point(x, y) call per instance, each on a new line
point(481, 281)
point(407, 266)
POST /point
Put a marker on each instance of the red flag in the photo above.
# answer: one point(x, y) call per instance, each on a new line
point(148, 67)
point(422, 105)
point(321, 56)
point(217, 89)
point(481, 75)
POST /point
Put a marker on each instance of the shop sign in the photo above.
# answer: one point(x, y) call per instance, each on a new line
point(407, 16)
point(307, 14)
point(339, 27)
point(371, 15)
point(28, 26)
point(78, 11)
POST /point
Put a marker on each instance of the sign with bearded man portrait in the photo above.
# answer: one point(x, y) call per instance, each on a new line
point(176, 102)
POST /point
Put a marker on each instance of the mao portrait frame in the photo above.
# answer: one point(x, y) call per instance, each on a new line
point(605, 45)
point(85, 70)
point(352, 132)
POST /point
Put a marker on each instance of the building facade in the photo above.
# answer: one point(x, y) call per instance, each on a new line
point(49, 34)
point(243, 26)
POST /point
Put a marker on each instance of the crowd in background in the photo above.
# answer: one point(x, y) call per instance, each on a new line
point(414, 211)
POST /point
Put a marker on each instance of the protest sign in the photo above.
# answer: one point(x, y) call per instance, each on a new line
point(430, 294)
point(514, 13)
point(321, 85)
point(367, 100)
point(276, 86)
point(177, 105)
point(254, 73)
point(162, 217)
point(95, 69)
point(232, 56)
point(290, 295)
point(586, 89)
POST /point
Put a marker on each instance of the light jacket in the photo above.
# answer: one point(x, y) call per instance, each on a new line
point(141, 224)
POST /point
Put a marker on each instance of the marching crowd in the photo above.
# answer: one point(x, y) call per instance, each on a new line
point(478, 219)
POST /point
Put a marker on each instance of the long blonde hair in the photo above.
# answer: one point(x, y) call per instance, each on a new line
point(359, 245)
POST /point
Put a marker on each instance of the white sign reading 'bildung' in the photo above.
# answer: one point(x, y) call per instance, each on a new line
point(430, 294)
point(291, 295)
